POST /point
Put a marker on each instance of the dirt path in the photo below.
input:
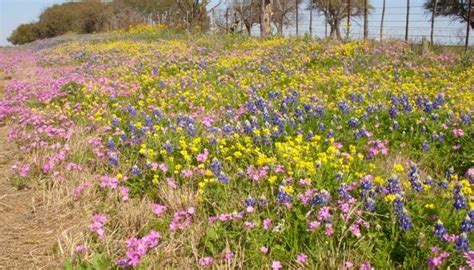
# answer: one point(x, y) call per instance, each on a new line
point(28, 227)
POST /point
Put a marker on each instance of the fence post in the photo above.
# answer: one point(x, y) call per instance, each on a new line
point(297, 17)
point(366, 20)
point(408, 21)
point(325, 27)
point(433, 15)
point(381, 21)
point(242, 18)
point(251, 18)
point(468, 27)
point(311, 19)
point(227, 20)
point(348, 18)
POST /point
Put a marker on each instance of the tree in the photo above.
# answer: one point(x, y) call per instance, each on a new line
point(336, 10)
point(283, 13)
point(59, 19)
point(266, 17)
point(455, 9)
point(25, 33)
point(248, 12)
point(194, 13)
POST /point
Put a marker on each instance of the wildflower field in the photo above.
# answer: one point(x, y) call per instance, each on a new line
point(244, 153)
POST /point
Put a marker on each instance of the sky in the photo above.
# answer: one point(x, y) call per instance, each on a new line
point(15, 12)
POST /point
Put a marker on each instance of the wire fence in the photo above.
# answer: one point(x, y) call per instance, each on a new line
point(412, 23)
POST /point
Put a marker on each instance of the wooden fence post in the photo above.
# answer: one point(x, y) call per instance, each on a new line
point(326, 27)
point(433, 15)
point(348, 18)
point(407, 21)
point(468, 27)
point(227, 20)
point(366, 20)
point(311, 19)
point(297, 17)
point(381, 21)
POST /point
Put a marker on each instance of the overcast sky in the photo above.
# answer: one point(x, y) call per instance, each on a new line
point(15, 12)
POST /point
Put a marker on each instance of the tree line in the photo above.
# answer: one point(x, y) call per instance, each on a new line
point(90, 16)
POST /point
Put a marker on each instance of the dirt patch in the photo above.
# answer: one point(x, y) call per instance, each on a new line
point(31, 224)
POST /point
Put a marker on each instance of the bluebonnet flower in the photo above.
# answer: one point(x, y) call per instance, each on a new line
point(429, 181)
point(111, 144)
point(405, 220)
point(466, 118)
point(250, 201)
point(414, 178)
point(321, 126)
point(343, 193)
point(148, 121)
point(262, 201)
point(459, 201)
point(425, 146)
point(131, 127)
point(135, 170)
point(115, 122)
point(393, 185)
point(366, 183)
point(216, 166)
point(449, 172)
point(428, 107)
point(439, 101)
point(393, 112)
point(223, 178)
point(131, 110)
point(168, 147)
point(157, 113)
point(371, 109)
point(113, 159)
point(191, 130)
point(283, 197)
point(331, 133)
point(344, 107)
point(321, 199)
point(466, 225)
point(353, 122)
point(370, 205)
point(462, 242)
point(440, 231)
point(123, 136)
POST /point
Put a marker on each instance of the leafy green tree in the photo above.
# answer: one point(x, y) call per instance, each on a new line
point(455, 9)
point(25, 33)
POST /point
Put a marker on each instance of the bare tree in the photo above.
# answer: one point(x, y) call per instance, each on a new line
point(283, 11)
point(248, 12)
point(266, 17)
point(336, 10)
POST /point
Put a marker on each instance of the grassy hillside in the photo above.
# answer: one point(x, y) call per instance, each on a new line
point(228, 152)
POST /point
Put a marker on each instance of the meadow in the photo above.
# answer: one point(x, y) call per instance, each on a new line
point(208, 152)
